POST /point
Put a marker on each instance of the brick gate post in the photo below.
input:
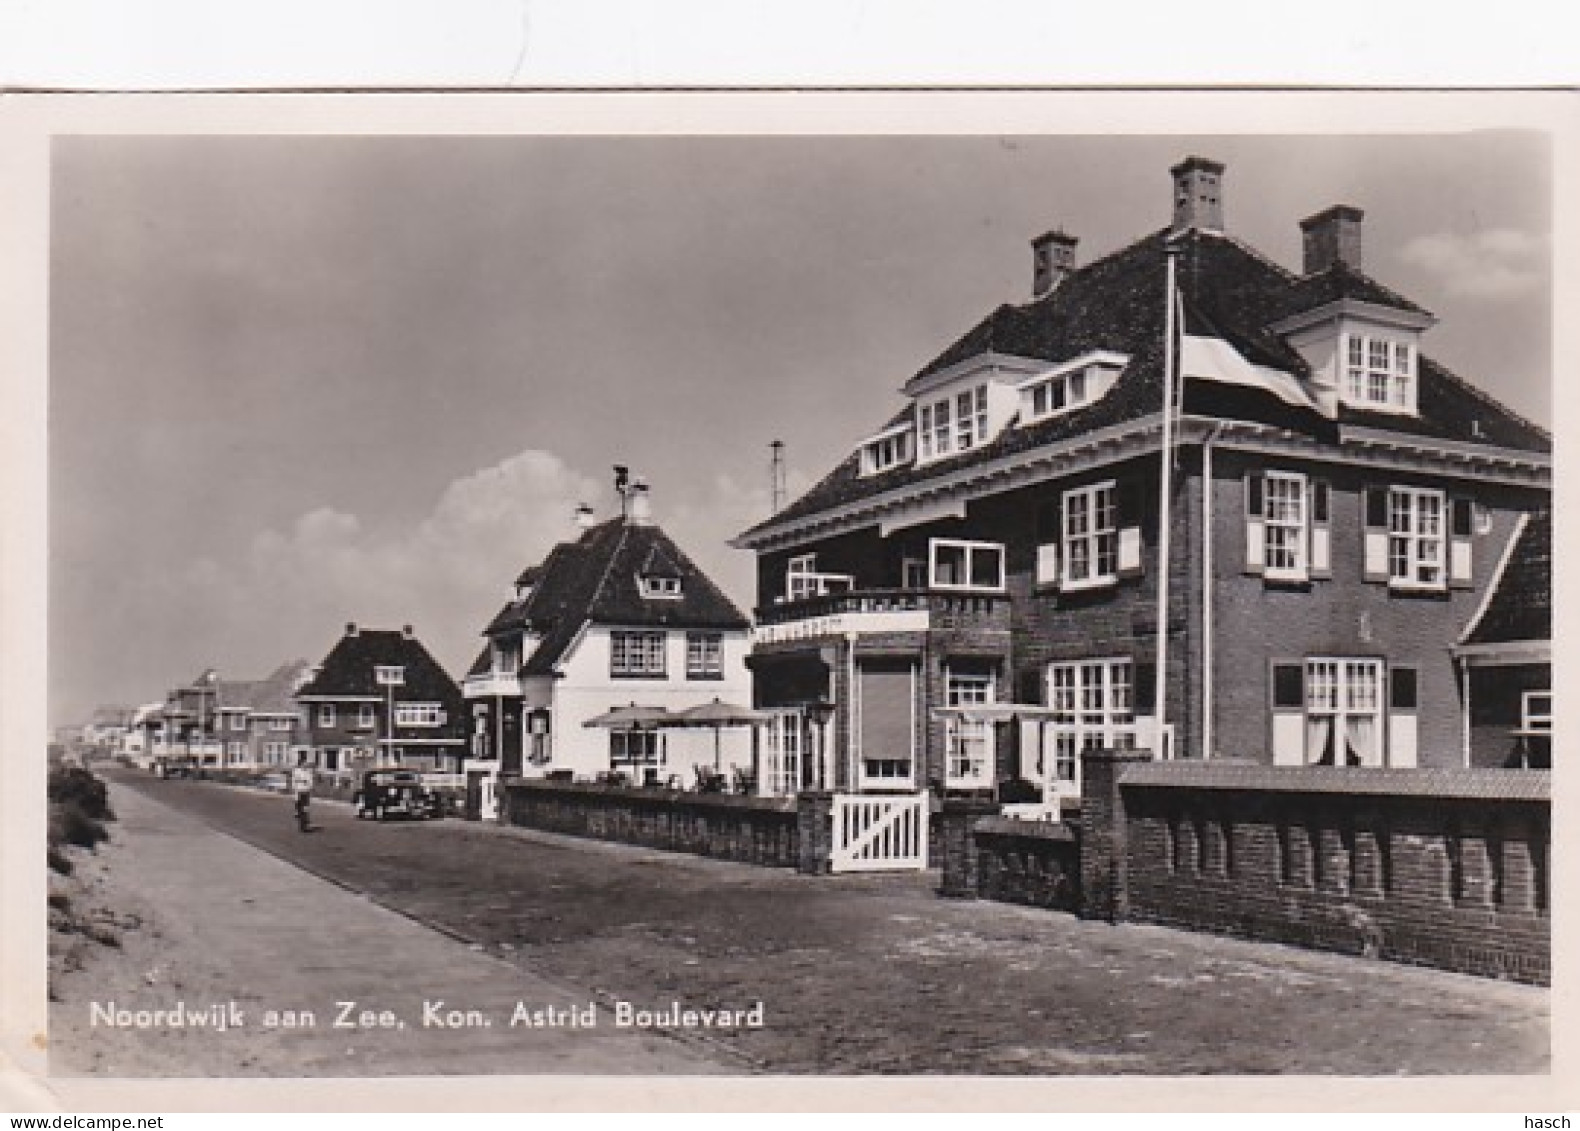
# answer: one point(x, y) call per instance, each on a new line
point(815, 829)
point(957, 828)
point(1104, 837)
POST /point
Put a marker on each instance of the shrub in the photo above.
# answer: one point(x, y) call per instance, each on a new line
point(76, 786)
point(77, 828)
point(57, 859)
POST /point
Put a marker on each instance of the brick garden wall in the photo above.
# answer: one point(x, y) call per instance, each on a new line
point(750, 830)
point(1446, 868)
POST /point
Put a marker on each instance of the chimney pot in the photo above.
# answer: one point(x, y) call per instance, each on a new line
point(1052, 258)
point(405, 630)
point(1198, 194)
point(1331, 236)
point(351, 628)
point(585, 519)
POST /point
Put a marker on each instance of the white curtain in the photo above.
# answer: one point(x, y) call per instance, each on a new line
point(1361, 739)
point(1319, 738)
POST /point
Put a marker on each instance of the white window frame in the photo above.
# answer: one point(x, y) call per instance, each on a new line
point(1093, 706)
point(971, 418)
point(365, 715)
point(1342, 690)
point(782, 753)
point(1410, 547)
point(326, 714)
point(1097, 542)
point(238, 721)
point(1379, 372)
point(280, 724)
point(803, 582)
point(1534, 718)
point(889, 450)
point(704, 655)
point(419, 715)
point(635, 748)
point(389, 675)
point(1287, 515)
point(969, 549)
point(638, 654)
point(969, 753)
point(662, 588)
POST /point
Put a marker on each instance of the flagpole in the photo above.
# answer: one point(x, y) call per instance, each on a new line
point(1166, 488)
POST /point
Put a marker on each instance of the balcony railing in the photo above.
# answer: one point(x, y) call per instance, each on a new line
point(870, 610)
point(491, 683)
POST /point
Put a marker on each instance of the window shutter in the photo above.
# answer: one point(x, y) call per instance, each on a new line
point(1321, 530)
point(1403, 705)
point(1146, 690)
point(1255, 534)
point(1461, 524)
point(1287, 710)
point(1048, 532)
point(1374, 565)
point(1128, 504)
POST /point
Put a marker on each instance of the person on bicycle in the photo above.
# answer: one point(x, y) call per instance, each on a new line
point(302, 787)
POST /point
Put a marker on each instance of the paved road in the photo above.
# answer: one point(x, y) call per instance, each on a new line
point(879, 975)
point(224, 928)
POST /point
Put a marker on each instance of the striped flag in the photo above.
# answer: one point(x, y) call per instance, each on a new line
point(1213, 359)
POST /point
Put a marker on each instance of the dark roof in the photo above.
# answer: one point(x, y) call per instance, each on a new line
point(1116, 303)
point(484, 662)
point(1521, 606)
point(1341, 281)
point(348, 669)
point(596, 580)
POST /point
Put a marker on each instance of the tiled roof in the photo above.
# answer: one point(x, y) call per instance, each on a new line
point(234, 694)
point(1432, 782)
point(484, 662)
point(595, 579)
point(1521, 606)
point(1117, 303)
point(348, 669)
point(275, 693)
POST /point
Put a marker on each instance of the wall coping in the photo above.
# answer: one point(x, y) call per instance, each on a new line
point(1029, 830)
point(1435, 782)
point(641, 794)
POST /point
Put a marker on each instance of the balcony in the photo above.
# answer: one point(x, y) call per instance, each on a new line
point(860, 611)
point(491, 683)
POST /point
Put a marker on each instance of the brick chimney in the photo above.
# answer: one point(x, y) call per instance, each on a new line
point(1198, 195)
point(351, 628)
point(1052, 258)
point(1331, 236)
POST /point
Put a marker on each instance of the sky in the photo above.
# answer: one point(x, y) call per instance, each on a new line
point(301, 381)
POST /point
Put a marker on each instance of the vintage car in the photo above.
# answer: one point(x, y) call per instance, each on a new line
point(395, 792)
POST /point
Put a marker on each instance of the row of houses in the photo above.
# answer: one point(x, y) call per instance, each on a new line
point(1184, 498)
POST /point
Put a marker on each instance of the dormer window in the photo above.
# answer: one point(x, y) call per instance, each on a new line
point(1069, 386)
point(389, 675)
point(886, 450)
point(955, 423)
point(661, 586)
point(1379, 373)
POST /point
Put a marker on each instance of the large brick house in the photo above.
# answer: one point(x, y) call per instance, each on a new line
point(380, 698)
point(1338, 505)
point(619, 616)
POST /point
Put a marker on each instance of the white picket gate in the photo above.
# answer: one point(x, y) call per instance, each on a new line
point(879, 832)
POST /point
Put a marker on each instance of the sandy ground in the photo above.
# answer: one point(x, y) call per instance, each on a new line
point(857, 974)
point(207, 922)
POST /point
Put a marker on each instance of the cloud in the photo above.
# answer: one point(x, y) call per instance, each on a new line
point(1494, 263)
point(290, 591)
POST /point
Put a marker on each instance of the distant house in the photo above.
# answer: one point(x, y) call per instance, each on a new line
point(188, 720)
point(257, 722)
point(380, 698)
point(619, 616)
point(1505, 657)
